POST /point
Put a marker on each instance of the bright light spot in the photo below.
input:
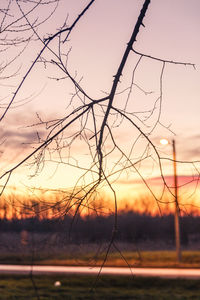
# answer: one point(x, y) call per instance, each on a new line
point(164, 141)
point(57, 283)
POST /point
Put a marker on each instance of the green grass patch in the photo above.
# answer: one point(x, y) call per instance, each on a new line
point(190, 259)
point(108, 287)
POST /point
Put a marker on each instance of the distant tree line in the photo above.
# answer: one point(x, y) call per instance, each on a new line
point(133, 227)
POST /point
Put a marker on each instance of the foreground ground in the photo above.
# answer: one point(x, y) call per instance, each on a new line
point(107, 287)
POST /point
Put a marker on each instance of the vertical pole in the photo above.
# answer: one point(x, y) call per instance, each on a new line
point(176, 212)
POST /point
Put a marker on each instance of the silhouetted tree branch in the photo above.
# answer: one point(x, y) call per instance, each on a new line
point(95, 121)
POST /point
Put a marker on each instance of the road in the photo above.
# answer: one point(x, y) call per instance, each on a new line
point(148, 272)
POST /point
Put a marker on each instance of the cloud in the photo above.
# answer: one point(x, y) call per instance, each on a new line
point(17, 134)
point(18, 137)
point(22, 133)
point(157, 181)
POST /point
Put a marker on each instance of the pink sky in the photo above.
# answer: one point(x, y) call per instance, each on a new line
point(171, 32)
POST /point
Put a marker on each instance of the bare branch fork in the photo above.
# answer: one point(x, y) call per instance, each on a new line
point(98, 112)
point(117, 79)
point(47, 42)
point(164, 60)
point(110, 97)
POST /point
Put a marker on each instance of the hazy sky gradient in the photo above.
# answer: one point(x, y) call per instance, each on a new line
point(96, 46)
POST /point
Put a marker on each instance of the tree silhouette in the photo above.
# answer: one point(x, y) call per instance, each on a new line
point(89, 123)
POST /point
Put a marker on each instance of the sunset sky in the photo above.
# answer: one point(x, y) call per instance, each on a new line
point(95, 48)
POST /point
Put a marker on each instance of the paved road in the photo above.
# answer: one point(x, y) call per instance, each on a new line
point(156, 272)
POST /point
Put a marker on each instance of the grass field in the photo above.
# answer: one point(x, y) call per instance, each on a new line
point(108, 287)
point(190, 259)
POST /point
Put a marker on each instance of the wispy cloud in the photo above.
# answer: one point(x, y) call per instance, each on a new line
point(156, 181)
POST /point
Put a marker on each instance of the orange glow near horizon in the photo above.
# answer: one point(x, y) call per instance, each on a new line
point(131, 197)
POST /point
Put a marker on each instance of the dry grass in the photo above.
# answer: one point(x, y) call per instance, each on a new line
point(190, 259)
